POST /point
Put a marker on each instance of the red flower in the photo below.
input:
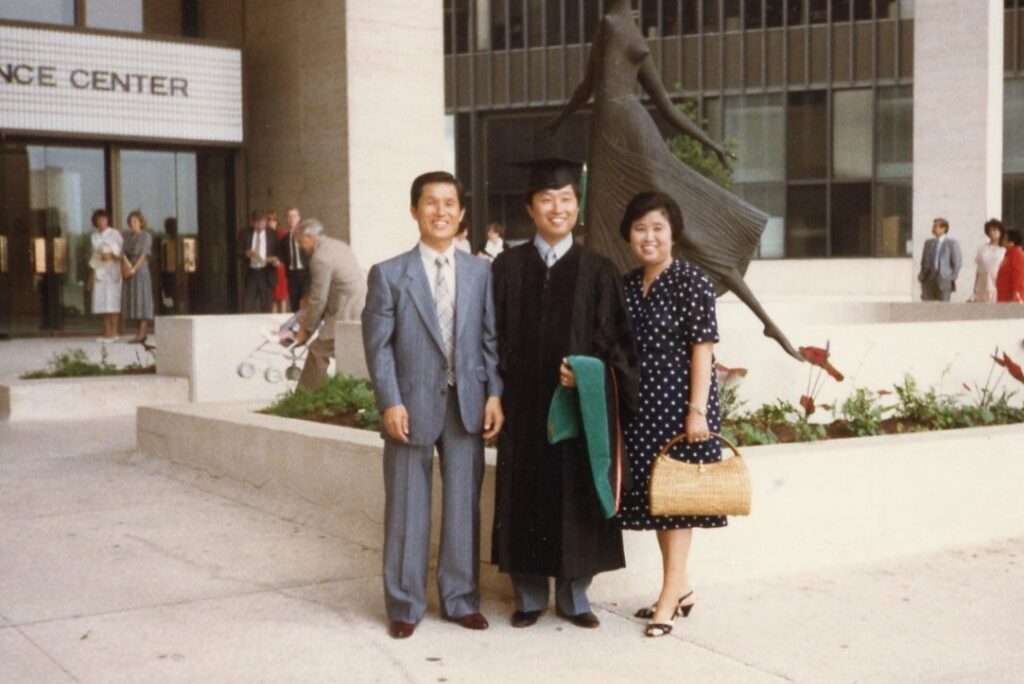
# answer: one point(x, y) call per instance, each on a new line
point(726, 374)
point(967, 387)
point(808, 404)
point(1012, 368)
point(819, 357)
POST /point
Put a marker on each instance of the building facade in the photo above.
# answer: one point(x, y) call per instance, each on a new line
point(816, 95)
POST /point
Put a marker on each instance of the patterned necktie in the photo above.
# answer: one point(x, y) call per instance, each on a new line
point(444, 302)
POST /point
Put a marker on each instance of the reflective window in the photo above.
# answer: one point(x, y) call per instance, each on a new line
point(1013, 123)
point(710, 8)
point(806, 221)
point(115, 15)
point(818, 11)
point(757, 124)
point(893, 205)
point(806, 135)
point(851, 220)
point(895, 131)
point(770, 199)
point(60, 12)
point(852, 132)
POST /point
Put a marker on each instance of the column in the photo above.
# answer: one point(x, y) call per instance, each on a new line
point(958, 124)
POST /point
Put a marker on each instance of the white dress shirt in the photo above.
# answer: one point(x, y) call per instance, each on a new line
point(259, 247)
point(560, 249)
point(429, 258)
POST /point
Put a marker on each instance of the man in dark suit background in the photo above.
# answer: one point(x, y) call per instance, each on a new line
point(295, 261)
point(940, 264)
point(259, 250)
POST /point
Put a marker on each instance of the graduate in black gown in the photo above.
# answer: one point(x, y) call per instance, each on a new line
point(554, 299)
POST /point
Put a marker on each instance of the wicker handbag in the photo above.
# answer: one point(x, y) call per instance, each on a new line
point(679, 488)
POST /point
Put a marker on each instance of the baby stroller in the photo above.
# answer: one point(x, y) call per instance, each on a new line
point(275, 344)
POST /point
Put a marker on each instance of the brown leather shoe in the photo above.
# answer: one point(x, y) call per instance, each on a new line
point(585, 620)
point(401, 630)
point(525, 618)
point(471, 621)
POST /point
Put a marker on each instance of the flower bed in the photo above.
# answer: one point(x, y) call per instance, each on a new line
point(75, 363)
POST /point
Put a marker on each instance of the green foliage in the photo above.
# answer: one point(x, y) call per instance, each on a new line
point(934, 411)
point(729, 401)
point(74, 363)
point(863, 413)
point(695, 155)
point(338, 395)
point(765, 424)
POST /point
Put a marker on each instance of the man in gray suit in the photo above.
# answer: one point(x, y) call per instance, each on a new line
point(337, 293)
point(940, 264)
point(429, 337)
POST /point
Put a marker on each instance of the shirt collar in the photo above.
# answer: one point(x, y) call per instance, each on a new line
point(560, 249)
point(431, 255)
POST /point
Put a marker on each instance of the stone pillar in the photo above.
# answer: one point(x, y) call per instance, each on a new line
point(344, 106)
point(958, 124)
point(395, 104)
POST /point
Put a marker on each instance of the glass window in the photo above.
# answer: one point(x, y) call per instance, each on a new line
point(773, 13)
point(907, 9)
point(498, 24)
point(690, 23)
point(1013, 121)
point(710, 8)
point(670, 18)
point(649, 18)
point(731, 10)
point(893, 204)
point(752, 14)
point(806, 135)
point(852, 124)
point(805, 221)
point(116, 15)
point(756, 123)
point(795, 12)
point(818, 11)
point(851, 220)
point(770, 199)
point(60, 12)
point(862, 9)
point(840, 10)
point(895, 130)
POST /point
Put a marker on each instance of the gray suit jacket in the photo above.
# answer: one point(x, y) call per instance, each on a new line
point(950, 261)
point(405, 350)
point(337, 291)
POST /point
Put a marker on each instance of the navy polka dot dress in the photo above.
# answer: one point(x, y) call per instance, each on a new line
point(678, 312)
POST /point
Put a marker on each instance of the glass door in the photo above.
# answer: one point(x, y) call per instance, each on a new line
point(49, 194)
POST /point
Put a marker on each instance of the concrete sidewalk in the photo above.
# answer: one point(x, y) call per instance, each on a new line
point(109, 573)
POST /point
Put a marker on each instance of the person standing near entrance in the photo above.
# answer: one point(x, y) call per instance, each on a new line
point(338, 293)
point(105, 279)
point(940, 264)
point(1010, 279)
point(554, 299)
point(281, 304)
point(137, 292)
point(428, 334)
point(258, 248)
point(296, 263)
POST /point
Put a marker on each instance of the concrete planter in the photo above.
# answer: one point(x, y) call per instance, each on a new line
point(83, 398)
point(815, 505)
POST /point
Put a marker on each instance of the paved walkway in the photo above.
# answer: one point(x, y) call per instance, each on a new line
point(109, 573)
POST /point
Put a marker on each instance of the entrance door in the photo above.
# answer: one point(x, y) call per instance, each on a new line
point(49, 194)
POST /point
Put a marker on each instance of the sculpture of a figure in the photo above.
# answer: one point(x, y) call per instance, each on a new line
point(628, 155)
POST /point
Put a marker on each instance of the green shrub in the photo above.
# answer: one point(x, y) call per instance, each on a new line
point(863, 413)
point(338, 395)
point(74, 363)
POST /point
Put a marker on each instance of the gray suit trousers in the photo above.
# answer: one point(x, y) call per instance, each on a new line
point(408, 473)
point(533, 593)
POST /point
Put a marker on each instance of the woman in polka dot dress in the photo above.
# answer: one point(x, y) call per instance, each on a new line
point(671, 305)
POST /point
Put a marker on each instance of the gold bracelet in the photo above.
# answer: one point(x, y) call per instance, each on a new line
point(698, 410)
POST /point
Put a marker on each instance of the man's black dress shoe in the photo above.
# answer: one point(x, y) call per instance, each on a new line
point(525, 618)
point(586, 620)
point(401, 630)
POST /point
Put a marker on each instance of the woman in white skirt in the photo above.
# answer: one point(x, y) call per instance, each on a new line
point(990, 256)
point(105, 279)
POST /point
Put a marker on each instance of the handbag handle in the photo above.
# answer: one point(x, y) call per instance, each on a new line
point(682, 435)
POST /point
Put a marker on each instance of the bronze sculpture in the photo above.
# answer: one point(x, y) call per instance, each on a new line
point(627, 155)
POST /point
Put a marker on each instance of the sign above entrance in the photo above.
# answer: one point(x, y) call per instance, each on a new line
point(66, 82)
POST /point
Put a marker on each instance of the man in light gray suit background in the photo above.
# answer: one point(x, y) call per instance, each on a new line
point(337, 293)
point(940, 264)
point(431, 348)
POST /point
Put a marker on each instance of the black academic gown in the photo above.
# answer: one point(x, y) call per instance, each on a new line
point(547, 518)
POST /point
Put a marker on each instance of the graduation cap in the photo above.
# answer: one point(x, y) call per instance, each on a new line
point(553, 173)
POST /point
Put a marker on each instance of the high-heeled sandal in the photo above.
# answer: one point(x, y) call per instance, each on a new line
point(660, 629)
point(648, 613)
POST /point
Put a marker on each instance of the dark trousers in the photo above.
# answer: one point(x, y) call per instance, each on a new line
point(259, 290)
point(298, 287)
point(935, 290)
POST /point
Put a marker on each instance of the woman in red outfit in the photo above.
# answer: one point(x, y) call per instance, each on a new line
point(1010, 281)
point(281, 290)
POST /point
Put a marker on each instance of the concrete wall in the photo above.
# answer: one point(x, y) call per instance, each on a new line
point(958, 123)
point(345, 106)
point(871, 279)
point(62, 399)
